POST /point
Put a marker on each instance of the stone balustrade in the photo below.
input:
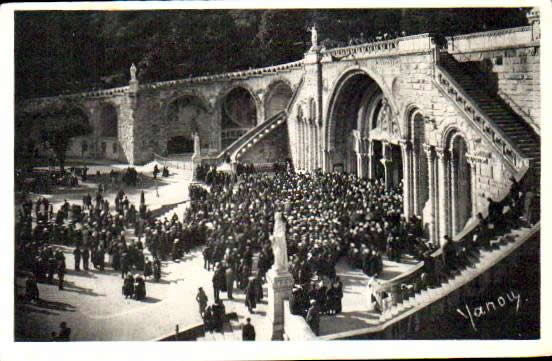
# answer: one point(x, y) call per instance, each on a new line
point(402, 45)
point(89, 94)
point(275, 69)
point(503, 38)
point(513, 156)
point(233, 133)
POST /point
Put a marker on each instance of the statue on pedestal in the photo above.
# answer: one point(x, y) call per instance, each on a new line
point(197, 148)
point(314, 36)
point(133, 72)
point(279, 246)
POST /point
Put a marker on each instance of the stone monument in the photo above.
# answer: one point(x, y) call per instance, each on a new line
point(196, 157)
point(280, 281)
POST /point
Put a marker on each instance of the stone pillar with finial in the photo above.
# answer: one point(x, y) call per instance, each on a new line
point(280, 280)
point(196, 157)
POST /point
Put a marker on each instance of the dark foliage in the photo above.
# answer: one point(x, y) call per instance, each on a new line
point(69, 51)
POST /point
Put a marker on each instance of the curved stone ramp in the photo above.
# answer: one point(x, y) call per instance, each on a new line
point(424, 298)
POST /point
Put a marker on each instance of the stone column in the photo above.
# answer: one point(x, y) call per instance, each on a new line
point(279, 289)
point(453, 179)
point(473, 179)
point(417, 207)
point(314, 146)
point(371, 160)
point(387, 163)
point(302, 143)
point(328, 159)
point(443, 193)
point(432, 193)
point(406, 148)
point(310, 155)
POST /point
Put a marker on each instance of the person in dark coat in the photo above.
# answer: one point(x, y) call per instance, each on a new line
point(248, 331)
point(219, 281)
point(148, 269)
point(251, 295)
point(77, 254)
point(208, 320)
point(219, 315)
point(229, 282)
point(128, 286)
point(64, 333)
point(139, 288)
point(60, 268)
point(313, 318)
point(156, 269)
point(85, 254)
point(258, 288)
point(31, 289)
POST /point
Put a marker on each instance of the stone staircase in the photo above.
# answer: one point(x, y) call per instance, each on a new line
point(479, 263)
point(512, 125)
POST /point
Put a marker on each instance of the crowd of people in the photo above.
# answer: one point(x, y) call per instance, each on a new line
point(97, 231)
point(363, 39)
point(328, 215)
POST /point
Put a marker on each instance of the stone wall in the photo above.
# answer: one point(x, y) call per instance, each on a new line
point(94, 148)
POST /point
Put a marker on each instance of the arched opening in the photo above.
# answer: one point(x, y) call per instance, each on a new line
point(108, 121)
point(239, 114)
point(354, 106)
point(277, 99)
point(186, 116)
point(460, 185)
point(419, 163)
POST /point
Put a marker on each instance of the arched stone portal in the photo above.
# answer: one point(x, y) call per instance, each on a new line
point(277, 98)
point(239, 114)
point(354, 107)
point(185, 116)
point(419, 175)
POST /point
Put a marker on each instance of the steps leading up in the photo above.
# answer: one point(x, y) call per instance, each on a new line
point(512, 125)
point(465, 274)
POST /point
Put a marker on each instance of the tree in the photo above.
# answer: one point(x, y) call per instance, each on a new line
point(57, 128)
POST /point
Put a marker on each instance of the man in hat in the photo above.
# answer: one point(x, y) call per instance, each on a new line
point(248, 331)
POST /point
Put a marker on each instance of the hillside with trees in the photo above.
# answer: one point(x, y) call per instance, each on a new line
point(59, 52)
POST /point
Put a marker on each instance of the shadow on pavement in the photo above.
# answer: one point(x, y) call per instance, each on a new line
point(151, 300)
point(54, 305)
point(71, 287)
